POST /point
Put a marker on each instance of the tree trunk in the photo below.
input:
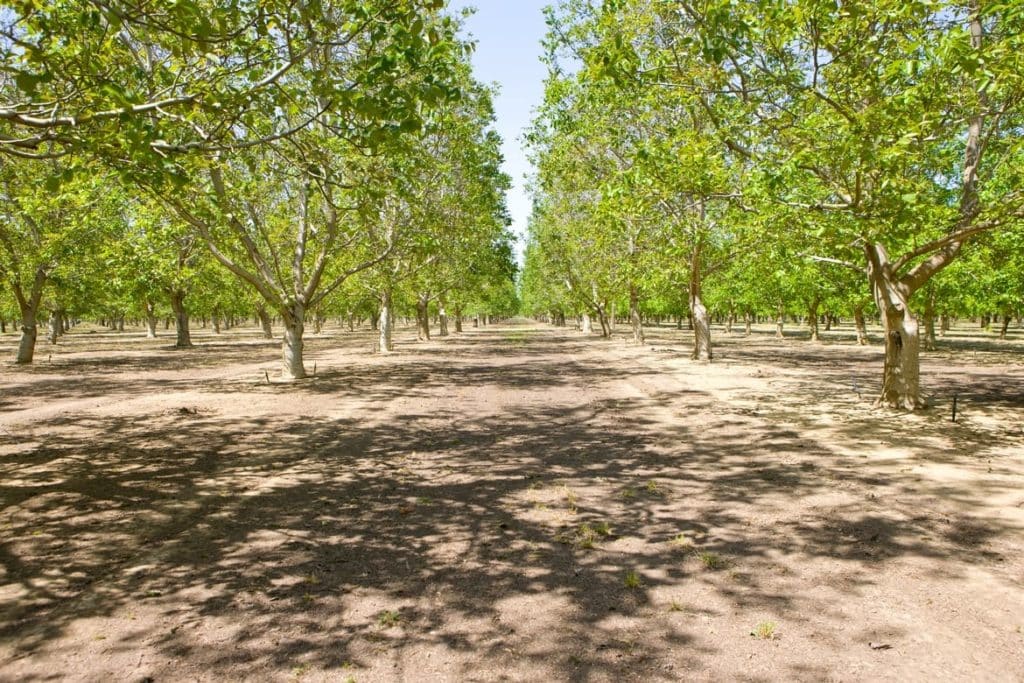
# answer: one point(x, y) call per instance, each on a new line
point(862, 328)
point(747, 321)
point(387, 322)
point(215, 320)
point(780, 321)
point(699, 313)
point(902, 372)
point(587, 327)
point(943, 324)
point(929, 320)
point(184, 337)
point(634, 315)
point(151, 320)
point(602, 318)
point(422, 319)
point(29, 308)
point(1005, 326)
point(27, 345)
point(56, 327)
point(292, 346)
point(442, 318)
point(458, 319)
point(812, 319)
point(265, 324)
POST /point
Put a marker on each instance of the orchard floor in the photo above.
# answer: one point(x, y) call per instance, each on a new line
point(513, 503)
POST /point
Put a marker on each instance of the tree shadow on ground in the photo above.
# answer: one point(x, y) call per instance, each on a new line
point(295, 536)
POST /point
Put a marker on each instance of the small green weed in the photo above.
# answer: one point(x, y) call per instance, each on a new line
point(388, 618)
point(682, 542)
point(571, 499)
point(632, 580)
point(764, 631)
point(675, 606)
point(586, 535)
point(711, 561)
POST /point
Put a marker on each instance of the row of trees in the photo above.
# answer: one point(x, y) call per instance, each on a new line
point(780, 156)
point(272, 158)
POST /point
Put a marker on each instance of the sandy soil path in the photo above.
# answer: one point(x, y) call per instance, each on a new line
point(516, 503)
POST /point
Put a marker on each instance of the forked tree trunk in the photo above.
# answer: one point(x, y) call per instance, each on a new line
point(860, 325)
point(387, 322)
point(1005, 326)
point(292, 366)
point(184, 336)
point(634, 315)
point(901, 376)
point(29, 308)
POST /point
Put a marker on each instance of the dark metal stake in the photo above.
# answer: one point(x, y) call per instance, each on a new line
point(314, 368)
point(267, 375)
point(954, 407)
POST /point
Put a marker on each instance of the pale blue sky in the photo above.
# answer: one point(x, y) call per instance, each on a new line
point(508, 35)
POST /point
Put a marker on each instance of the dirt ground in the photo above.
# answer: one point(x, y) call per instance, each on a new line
point(515, 503)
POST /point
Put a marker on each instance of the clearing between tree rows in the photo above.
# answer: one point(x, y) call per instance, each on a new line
point(512, 503)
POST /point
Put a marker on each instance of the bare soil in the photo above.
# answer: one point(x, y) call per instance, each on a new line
point(514, 503)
